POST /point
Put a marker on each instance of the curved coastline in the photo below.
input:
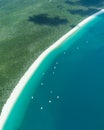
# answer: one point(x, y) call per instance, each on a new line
point(21, 84)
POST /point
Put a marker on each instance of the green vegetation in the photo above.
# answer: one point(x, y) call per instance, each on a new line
point(28, 27)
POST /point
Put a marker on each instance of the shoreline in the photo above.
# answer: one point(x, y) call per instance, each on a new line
point(21, 84)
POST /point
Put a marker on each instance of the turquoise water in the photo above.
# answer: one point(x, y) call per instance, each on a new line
point(69, 93)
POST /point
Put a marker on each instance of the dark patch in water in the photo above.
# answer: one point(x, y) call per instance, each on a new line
point(44, 19)
point(83, 12)
point(69, 2)
point(59, 6)
point(90, 2)
point(85, 2)
point(72, 26)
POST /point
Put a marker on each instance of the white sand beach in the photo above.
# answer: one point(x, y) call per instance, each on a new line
point(21, 84)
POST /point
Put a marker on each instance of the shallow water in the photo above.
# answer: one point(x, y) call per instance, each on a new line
point(70, 94)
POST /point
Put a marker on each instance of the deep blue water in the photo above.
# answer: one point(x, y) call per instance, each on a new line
point(70, 94)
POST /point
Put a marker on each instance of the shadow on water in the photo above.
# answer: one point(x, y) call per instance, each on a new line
point(83, 12)
point(85, 2)
point(44, 19)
